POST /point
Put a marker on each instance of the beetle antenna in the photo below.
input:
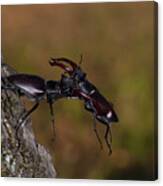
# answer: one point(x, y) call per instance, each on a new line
point(81, 59)
point(106, 139)
point(110, 134)
point(95, 130)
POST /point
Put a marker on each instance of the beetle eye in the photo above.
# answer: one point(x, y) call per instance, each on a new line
point(109, 114)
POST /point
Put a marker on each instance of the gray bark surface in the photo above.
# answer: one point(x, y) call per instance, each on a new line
point(31, 159)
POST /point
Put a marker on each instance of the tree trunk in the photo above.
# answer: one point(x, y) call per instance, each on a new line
point(30, 159)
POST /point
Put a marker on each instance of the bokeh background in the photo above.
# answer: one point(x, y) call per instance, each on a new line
point(117, 43)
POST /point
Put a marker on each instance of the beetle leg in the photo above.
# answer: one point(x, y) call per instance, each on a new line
point(52, 119)
point(110, 134)
point(106, 139)
point(23, 119)
point(94, 125)
point(97, 135)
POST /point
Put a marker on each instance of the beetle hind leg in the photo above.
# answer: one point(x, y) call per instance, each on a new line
point(21, 121)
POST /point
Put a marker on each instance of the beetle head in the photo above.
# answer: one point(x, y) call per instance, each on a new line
point(103, 113)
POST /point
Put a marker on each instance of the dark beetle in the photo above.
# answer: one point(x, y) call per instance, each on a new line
point(73, 84)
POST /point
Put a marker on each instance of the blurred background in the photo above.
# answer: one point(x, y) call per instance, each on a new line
point(117, 43)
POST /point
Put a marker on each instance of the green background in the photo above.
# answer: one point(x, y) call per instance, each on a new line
point(117, 43)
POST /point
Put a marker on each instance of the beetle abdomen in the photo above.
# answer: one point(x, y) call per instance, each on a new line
point(31, 84)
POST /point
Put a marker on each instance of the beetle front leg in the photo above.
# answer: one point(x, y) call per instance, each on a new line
point(106, 139)
point(95, 130)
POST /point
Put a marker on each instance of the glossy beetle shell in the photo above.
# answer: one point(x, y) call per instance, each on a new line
point(31, 84)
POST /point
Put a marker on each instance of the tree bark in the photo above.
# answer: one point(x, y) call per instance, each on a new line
point(30, 159)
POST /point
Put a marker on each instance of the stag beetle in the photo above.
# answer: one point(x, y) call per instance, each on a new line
point(73, 84)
